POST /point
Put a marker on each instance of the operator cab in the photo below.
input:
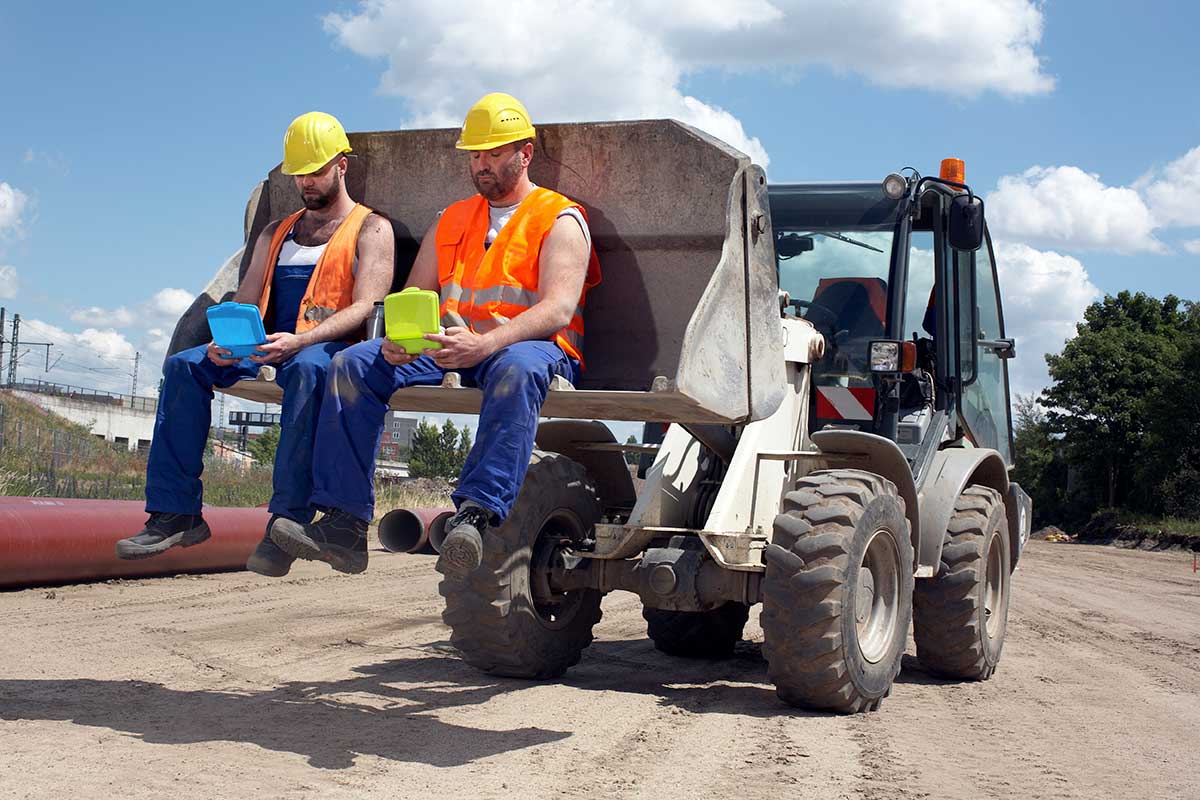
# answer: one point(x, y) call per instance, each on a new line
point(900, 279)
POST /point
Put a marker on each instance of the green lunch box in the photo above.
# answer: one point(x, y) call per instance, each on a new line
point(409, 315)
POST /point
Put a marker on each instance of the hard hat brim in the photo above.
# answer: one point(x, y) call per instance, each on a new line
point(491, 143)
point(310, 167)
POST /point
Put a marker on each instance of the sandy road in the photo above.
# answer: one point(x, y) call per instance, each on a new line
point(335, 686)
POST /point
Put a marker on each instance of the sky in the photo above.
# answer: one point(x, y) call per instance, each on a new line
point(133, 132)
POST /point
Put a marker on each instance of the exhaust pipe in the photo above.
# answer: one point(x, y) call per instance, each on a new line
point(47, 540)
point(411, 530)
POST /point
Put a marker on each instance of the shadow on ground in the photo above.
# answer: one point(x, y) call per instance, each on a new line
point(390, 709)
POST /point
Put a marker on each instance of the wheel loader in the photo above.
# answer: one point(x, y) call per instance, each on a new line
point(822, 369)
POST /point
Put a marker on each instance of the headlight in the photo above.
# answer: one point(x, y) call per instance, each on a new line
point(894, 186)
point(885, 356)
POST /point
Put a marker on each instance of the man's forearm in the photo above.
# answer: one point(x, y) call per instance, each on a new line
point(539, 322)
point(344, 324)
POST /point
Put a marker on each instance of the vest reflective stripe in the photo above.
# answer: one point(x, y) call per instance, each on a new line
point(482, 288)
point(331, 287)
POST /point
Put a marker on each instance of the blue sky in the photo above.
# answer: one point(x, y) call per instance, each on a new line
point(133, 133)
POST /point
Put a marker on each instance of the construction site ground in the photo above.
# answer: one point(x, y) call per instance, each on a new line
point(319, 684)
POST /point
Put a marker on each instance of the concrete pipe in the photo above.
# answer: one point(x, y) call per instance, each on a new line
point(52, 540)
point(410, 530)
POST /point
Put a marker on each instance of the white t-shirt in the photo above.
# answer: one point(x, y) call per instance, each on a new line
point(500, 215)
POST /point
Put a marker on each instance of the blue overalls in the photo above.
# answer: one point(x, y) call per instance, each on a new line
point(514, 381)
point(185, 414)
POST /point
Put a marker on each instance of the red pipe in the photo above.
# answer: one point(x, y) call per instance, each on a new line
point(51, 540)
point(405, 530)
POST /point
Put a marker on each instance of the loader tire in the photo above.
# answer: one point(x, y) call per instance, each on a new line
point(697, 634)
point(837, 593)
point(960, 615)
point(504, 618)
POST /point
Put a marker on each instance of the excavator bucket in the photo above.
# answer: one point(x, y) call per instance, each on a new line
point(684, 326)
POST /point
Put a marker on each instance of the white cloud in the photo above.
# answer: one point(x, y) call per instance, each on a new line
point(101, 356)
point(170, 303)
point(1192, 246)
point(9, 282)
point(1068, 207)
point(1174, 192)
point(13, 203)
point(608, 59)
point(94, 315)
point(1045, 295)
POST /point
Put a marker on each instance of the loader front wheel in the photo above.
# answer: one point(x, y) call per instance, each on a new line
point(961, 614)
point(837, 593)
point(697, 634)
point(506, 619)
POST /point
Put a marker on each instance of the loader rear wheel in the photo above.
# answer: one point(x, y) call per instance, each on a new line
point(960, 616)
point(505, 618)
point(697, 634)
point(837, 593)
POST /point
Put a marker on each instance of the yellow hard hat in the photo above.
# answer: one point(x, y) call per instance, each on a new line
point(311, 141)
point(496, 119)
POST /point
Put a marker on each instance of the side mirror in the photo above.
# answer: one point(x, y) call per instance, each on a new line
point(966, 222)
point(789, 245)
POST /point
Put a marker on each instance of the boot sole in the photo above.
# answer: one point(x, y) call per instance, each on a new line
point(127, 551)
point(458, 559)
point(267, 567)
point(292, 539)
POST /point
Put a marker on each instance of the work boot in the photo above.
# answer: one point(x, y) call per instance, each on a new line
point(462, 549)
point(338, 538)
point(268, 559)
point(162, 532)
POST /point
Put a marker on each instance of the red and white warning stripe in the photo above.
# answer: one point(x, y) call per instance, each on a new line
point(836, 402)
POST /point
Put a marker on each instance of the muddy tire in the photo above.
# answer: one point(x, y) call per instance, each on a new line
point(960, 615)
point(837, 593)
point(697, 634)
point(504, 618)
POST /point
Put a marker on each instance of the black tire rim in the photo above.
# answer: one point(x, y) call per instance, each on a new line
point(555, 610)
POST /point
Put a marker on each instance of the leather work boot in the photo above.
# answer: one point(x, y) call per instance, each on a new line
point(462, 549)
point(162, 532)
point(338, 538)
point(268, 558)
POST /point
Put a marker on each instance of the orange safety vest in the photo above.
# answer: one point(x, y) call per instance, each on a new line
point(331, 287)
point(482, 288)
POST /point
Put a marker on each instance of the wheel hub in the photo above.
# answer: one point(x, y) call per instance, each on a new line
point(877, 601)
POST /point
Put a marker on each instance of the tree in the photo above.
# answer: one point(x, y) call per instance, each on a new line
point(1103, 382)
point(262, 449)
point(630, 456)
point(1040, 466)
point(438, 453)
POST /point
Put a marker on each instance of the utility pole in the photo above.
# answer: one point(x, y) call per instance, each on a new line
point(137, 357)
point(12, 358)
point(2, 339)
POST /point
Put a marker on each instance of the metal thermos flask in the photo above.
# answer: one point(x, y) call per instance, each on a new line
point(375, 326)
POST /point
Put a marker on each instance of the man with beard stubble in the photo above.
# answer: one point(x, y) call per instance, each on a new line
point(315, 277)
point(512, 266)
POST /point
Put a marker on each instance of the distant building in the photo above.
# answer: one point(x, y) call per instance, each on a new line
point(396, 442)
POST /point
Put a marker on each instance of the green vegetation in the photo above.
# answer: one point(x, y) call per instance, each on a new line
point(439, 453)
point(44, 455)
point(1119, 426)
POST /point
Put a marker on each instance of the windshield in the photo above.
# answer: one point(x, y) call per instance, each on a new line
point(833, 249)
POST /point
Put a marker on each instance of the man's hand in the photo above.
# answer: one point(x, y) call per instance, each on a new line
point(219, 356)
point(396, 355)
point(279, 348)
point(461, 348)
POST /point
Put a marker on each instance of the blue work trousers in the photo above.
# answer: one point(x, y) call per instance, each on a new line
point(184, 416)
point(514, 381)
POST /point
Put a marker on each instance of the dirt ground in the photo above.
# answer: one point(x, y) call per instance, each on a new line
point(336, 686)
